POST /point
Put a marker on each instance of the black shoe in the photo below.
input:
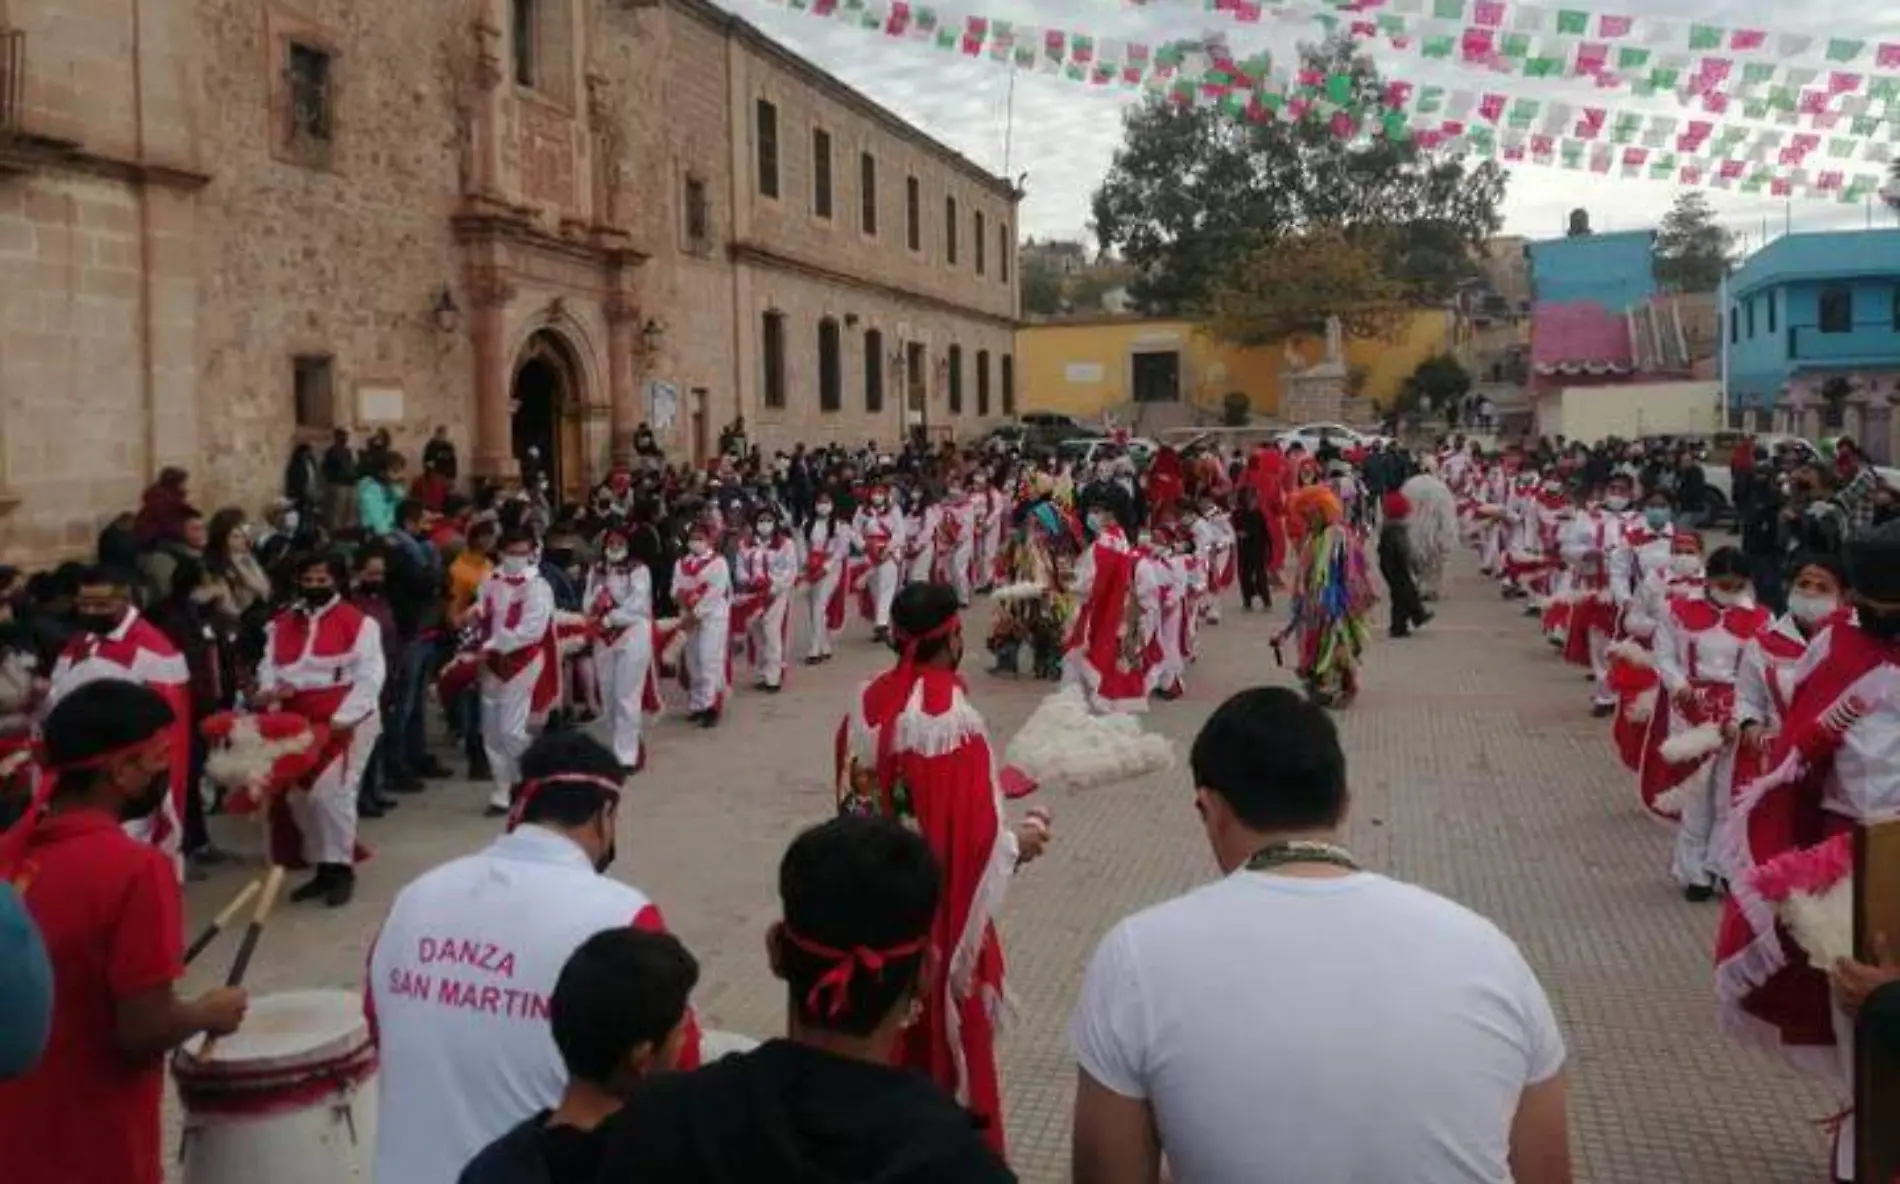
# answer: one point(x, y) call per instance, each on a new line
point(1423, 619)
point(770, 688)
point(709, 719)
point(1398, 633)
point(881, 635)
point(1698, 893)
point(491, 810)
point(696, 717)
point(342, 888)
point(813, 660)
point(435, 770)
point(318, 886)
point(1602, 710)
point(478, 769)
point(407, 784)
point(368, 806)
point(1167, 696)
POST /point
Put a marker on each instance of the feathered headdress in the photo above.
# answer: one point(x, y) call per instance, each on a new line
point(1316, 501)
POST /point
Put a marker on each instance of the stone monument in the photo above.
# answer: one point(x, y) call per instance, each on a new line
point(1317, 393)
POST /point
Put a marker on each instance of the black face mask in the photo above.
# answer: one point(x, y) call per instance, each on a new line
point(316, 598)
point(147, 801)
point(101, 623)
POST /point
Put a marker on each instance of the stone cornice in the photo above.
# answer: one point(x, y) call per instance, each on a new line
point(31, 154)
point(744, 252)
point(483, 221)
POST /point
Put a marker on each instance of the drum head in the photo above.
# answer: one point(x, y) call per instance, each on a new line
point(291, 1030)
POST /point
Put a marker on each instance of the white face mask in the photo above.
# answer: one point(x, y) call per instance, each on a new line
point(699, 547)
point(766, 527)
point(1616, 503)
point(290, 521)
point(1685, 565)
point(616, 554)
point(823, 509)
point(1731, 599)
point(1811, 610)
point(514, 565)
point(879, 501)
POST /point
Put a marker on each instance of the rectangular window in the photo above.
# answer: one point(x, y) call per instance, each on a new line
point(956, 380)
point(873, 371)
point(979, 239)
point(982, 382)
point(766, 132)
point(523, 33)
point(821, 173)
point(698, 217)
point(1837, 310)
point(913, 214)
point(1771, 312)
point(772, 343)
point(1009, 384)
point(830, 367)
point(312, 383)
point(950, 231)
point(867, 191)
point(308, 90)
point(1734, 323)
point(1751, 319)
point(1002, 251)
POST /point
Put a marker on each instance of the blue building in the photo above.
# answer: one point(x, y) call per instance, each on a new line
point(1812, 331)
point(1613, 271)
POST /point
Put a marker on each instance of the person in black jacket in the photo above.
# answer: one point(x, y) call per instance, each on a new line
point(1252, 546)
point(618, 1015)
point(1395, 564)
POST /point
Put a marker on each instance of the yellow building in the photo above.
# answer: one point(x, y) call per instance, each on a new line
point(1125, 364)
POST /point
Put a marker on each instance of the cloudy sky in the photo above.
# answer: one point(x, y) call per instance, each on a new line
point(1064, 134)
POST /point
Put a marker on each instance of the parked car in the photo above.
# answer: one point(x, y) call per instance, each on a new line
point(1311, 436)
point(1003, 439)
point(1044, 430)
point(1085, 451)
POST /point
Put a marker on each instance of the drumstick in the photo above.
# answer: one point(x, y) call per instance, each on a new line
point(224, 918)
point(273, 881)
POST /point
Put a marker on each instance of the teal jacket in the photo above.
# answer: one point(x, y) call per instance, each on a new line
point(376, 503)
point(26, 987)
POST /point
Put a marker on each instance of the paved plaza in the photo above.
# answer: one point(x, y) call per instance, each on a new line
point(1476, 770)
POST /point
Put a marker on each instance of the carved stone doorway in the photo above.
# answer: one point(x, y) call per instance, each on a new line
point(546, 404)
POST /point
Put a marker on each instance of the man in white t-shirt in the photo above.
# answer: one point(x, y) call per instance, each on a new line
point(1303, 1021)
point(462, 970)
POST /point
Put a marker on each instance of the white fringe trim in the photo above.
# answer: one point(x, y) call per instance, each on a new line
point(1673, 802)
point(245, 760)
point(1757, 962)
point(1631, 652)
point(16, 682)
point(1643, 707)
point(1701, 741)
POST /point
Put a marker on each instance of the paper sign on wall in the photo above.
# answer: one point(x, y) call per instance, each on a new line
point(663, 405)
point(1082, 372)
point(379, 404)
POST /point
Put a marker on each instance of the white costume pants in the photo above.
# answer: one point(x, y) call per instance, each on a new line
point(1169, 672)
point(622, 669)
point(705, 658)
point(767, 633)
point(818, 629)
point(961, 560)
point(507, 707)
point(326, 815)
point(883, 579)
point(987, 549)
point(1601, 695)
point(1697, 861)
point(920, 566)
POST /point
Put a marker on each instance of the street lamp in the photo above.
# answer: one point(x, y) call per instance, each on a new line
point(445, 314)
point(650, 335)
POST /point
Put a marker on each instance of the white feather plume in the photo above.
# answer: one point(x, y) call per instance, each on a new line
point(1063, 744)
point(1642, 707)
point(1023, 590)
point(1675, 800)
point(1630, 652)
point(1698, 742)
point(244, 761)
point(1822, 924)
point(675, 640)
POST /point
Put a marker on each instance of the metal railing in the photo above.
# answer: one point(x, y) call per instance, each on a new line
point(12, 80)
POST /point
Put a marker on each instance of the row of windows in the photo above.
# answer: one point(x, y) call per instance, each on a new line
point(766, 134)
point(1834, 313)
point(831, 369)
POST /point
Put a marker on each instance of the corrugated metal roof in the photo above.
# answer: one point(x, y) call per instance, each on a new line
point(1580, 338)
point(1830, 255)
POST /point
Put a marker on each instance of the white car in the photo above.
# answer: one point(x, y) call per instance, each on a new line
point(1082, 453)
point(1311, 436)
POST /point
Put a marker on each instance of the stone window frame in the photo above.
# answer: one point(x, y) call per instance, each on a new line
point(954, 387)
point(979, 239)
point(283, 30)
point(1007, 373)
point(870, 205)
point(772, 331)
point(874, 371)
point(914, 213)
point(768, 183)
point(830, 365)
point(696, 243)
point(982, 384)
point(550, 55)
point(1003, 252)
point(824, 182)
point(949, 229)
point(323, 362)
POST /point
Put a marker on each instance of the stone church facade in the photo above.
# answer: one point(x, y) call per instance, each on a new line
point(227, 226)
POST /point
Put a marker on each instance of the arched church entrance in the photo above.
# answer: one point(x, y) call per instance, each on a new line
point(545, 403)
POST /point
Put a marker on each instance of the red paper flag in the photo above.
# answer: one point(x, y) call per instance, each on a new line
point(1398, 94)
point(1832, 180)
point(1731, 169)
point(1780, 187)
point(1742, 39)
point(1806, 141)
point(1841, 82)
point(1592, 58)
point(1600, 162)
point(1489, 13)
point(1344, 125)
point(1542, 145)
point(1716, 69)
point(1514, 152)
point(1453, 127)
point(1613, 26)
point(1887, 56)
point(1491, 107)
point(1478, 45)
point(1813, 102)
point(1715, 102)
point(1246, 11)
point(1690, 175)
point(972, 46)
point(899, 19)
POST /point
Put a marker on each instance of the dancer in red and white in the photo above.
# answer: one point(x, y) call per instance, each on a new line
point(521, 675)
point(1112, 646)
point(115, 641)
point(1588, 542)
point(1491, 491)
point(1834, 763)
point(827, 558)
point(1161, 566)
point(1632, 663)
point(1214, 542)
point(1765, 683)
point(1699, 645)
point(1642, 559)
point(878, 533)
point(923, 529)
point(770, 572)
point(619, 602)
point(323, 660)
point(956, 543)
point(992, 528)
point(702, 590)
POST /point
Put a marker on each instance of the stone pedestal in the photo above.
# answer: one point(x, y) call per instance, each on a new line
point(1314, 396)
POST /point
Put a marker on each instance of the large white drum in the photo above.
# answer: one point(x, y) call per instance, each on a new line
point(290, 1097)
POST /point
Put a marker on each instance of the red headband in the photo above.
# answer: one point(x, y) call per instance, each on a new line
point(530, 788)
point(13, 842)
point(845, 963)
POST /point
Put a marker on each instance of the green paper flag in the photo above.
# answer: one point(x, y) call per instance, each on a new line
point(1658, 171)
point(1449, 10)
point(1864, 125)
point(1438, 47)
point(1339, 87)
point(1572, 154)
point(1665, 78)
point(1543, 67)
point(1781, 98)
point(1431, 100)
point(1629, 122)
point(1394, 127)
point(1631, 58)
point(947, 38)
point(1844, 49)
point(1391, 26)
point(1755, 109)
point(1756, 73)
point(1705, 37)
point(1516, 45)
point(1643, 88)
point(1483, 139)
point(1752, 185)
point(1841, 147)
point(1572, 22)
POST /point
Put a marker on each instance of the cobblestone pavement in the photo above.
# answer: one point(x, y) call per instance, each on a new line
point(1477, 772)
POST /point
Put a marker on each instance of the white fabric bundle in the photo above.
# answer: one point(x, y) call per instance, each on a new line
point(1024, 590)
point(1063, 744)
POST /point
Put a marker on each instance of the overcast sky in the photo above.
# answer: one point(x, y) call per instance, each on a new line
point(1064, 134)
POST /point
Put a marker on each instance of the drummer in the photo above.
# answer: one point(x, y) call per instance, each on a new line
point(461, 975)
point(110, 911)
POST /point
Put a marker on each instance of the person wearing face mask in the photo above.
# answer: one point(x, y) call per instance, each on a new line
point(702, 589)
point(1700, 640)
point(520, 677)
point(1586, 545)
point(924, 530)
point(1641, 557)
point(1832, 763)
point(1632, 670)
point(1766, 678)
point(115, 642)
point(991, 513)
point(947, 791)
point(956, 543)
point(464, 966)
point(768, 572)
point(1112, 647)
point(619, 600)
point(878, 533)
point(109, 910)
point(827, 556)
point(323, 660)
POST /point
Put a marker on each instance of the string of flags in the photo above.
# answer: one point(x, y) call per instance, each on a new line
point(1490, 125)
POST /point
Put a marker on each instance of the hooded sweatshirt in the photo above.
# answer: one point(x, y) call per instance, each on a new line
point(794, 1115)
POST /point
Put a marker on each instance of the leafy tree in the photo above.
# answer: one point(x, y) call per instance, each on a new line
point(1041, 287)
point(1193, 189)
point(1291, 285)
point(1440, 381)
point(1693, 250)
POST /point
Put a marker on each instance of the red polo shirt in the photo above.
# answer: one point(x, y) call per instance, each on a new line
point(109, 909)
